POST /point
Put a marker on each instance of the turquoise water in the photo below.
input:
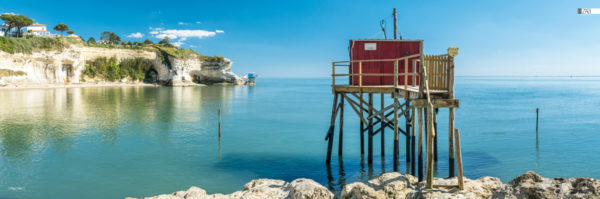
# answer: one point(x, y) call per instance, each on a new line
point(136, 141)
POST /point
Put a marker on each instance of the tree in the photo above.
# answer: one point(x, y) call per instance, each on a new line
point(114, 38)
point(61, 27)
point(165, 42)
point(16, 21)
point(148, 42)
point(109, 37)
point(22, 21)
point(91, 40)
point(9, 21)
point(70, 32)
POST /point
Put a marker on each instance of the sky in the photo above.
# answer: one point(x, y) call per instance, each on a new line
point(287, 38)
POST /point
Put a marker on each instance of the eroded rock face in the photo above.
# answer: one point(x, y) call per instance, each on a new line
point(67, 65)
point(217, 72)
point(400, 186)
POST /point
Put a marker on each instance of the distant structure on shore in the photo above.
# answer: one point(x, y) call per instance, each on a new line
point(249, 79)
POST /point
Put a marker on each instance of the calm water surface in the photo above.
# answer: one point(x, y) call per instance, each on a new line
point(135, 141)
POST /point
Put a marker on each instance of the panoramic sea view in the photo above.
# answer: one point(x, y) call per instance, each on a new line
point(142, 141)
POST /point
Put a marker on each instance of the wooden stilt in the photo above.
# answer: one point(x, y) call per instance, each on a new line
point(407, 128)
point(362, 130)
point(419, 113)
point(450, 142)
point(370, 133)
point(396, 137)
point(413, 143)
point(430, 135)
point(435, 142)
point(459, 160)
point(382, 127)
point(329, 136)
point(341, 131)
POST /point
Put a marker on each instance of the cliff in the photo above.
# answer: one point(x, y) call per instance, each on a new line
point(66, 65)
point(398, 185)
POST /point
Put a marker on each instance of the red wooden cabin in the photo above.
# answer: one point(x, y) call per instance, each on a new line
point(388, 50)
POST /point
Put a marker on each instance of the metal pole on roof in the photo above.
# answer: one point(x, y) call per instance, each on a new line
point(395, 25)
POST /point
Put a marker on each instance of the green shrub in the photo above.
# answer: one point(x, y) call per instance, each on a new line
point(27, 45)
point(8, 72)
point(109, 69)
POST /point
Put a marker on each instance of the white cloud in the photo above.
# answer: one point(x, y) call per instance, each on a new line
point(183, 35)
point(182, 23)
point(174, 34)
point(136, 35)
point(198, 22)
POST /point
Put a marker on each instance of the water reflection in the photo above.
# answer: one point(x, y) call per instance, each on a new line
point(34, 120)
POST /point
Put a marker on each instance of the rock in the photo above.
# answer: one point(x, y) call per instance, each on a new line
point(394, 184)
point(399, 186)
point(359, 190)
point(67, 65)
point(306, 189)
point(217, 72)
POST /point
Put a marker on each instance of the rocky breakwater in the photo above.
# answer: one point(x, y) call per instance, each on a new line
point(68, 64)
point(397, 185)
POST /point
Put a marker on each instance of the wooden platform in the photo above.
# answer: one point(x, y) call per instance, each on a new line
point(398, 91)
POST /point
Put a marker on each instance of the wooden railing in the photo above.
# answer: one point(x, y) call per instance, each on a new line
point(360, 74)
point(439, 68)
point(440, 72)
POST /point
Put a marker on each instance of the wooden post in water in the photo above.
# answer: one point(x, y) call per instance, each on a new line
point(435, 142)
point(362, 129)
point(430, 135)
point(450, 142)
point(413, 143)
point(407, 129)
point(341, 139)
point(459, 160)
point(370, 133)
point(420, 112)
point(396, 137)
point(329, 136)
point(537, 117)
point(383, 125)
point(219, 113)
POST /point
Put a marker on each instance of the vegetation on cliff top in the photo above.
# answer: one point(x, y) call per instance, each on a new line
point(28, 45)
point(112, 70)
point(8, 72)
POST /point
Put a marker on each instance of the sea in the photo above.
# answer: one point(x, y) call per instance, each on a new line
point(115, 142)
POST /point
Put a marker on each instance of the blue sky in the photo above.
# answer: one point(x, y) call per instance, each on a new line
point(287, 38)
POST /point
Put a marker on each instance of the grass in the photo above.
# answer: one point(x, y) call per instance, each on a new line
point(109, 68)
point(28, 45)
point(8, 72)
point(183, 53)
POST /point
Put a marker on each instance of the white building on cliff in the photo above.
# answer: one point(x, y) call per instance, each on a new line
point(38, 30)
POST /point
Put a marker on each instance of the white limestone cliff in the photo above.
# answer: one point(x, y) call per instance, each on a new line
point(67, 65)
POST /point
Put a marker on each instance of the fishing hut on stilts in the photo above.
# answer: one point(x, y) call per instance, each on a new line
point(415, 85)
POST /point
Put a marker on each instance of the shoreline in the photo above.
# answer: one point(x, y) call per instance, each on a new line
point(90, 85)
point(398, 185)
